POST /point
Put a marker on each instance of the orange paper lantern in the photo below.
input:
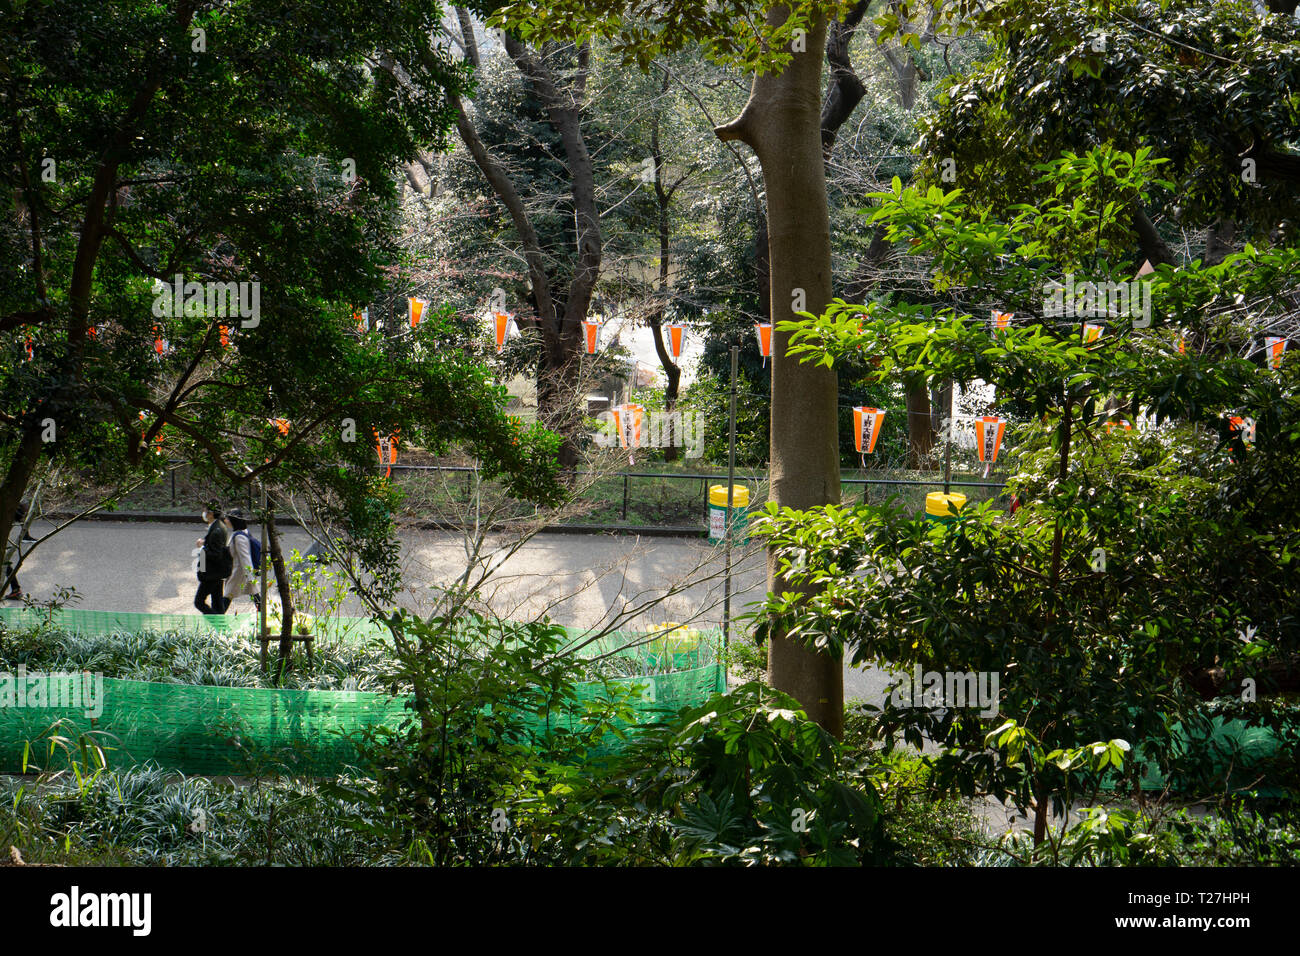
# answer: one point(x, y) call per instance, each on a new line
point(387, 449)
point(501, 321)
point(764, 331)
point(1001, 320)
point(1275, 346)
point(415, 306)
point(866, 428)
point(1245, 426)
point(1091, 332)
point(676, 335)
point(627, 423)
point(592, 329)
point(988, 436)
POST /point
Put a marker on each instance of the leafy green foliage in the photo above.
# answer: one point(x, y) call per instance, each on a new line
point(1203, 79)
point(1194, 529)
point(738, 33)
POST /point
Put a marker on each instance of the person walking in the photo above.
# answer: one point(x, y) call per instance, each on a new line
point(246, 556)
point(214, 563)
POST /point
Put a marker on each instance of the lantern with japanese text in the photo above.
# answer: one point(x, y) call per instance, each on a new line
point(866, 429)
point(1001, 320)
point(988, 437)
point(387, 450)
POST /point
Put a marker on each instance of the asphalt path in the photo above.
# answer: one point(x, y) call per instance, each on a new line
point(583, 581)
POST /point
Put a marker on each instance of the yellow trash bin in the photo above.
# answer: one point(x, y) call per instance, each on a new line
point(718, 512)
point(943, 509)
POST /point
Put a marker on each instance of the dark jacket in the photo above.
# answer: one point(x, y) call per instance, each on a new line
point(215, 564)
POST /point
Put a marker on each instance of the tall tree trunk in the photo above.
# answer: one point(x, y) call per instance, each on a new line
point(663, 198)
point(1154, 248)
point(920, 431)
point(558, 319)
point(284, 662)
point(1218, 241)
point(96, 221)
point(782, 124)
point(846, 89)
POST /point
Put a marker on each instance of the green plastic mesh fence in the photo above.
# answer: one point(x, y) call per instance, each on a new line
point(249, 731)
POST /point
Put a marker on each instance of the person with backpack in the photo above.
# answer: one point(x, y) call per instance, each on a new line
point(246, 554)
point(214, 564)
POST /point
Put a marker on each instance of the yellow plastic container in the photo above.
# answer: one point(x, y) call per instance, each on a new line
point(943, 509)
point(718, 512)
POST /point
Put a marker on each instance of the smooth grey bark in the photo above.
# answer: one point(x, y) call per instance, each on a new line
point(781, 122)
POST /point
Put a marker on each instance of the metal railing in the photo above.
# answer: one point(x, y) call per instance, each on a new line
point(752, 481)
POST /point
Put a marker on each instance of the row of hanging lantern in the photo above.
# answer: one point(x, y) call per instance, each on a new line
point(415, 307)
point(161, 345)
point(1244, 426)
point(989, 430)
point(591, 333)
point(504, 325)
point(386, 448)
point(1274, 345)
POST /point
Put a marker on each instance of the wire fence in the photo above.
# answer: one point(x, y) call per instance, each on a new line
point(630, 498)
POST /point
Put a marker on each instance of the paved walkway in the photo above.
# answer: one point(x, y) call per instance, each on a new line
point(580, 580)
